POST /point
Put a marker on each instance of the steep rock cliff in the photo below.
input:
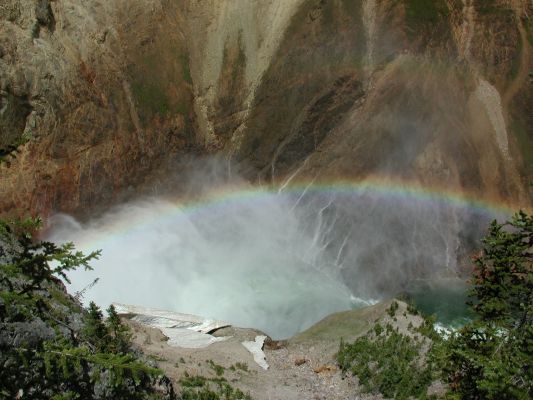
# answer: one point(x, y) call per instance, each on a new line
point(103, 98)
point(429, 99)
point(100, 98)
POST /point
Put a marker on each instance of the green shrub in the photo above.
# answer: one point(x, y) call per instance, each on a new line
point(393, 308)
point(219, 369)
point(387, 362)
point(201, 388)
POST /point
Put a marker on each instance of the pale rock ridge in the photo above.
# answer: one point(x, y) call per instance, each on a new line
point(256, 26)
point(369, 20)
point(467, 30)
point(489, 96)
point(486, 93)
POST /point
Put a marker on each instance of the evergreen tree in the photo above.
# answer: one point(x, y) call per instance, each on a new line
point(95, 331)
point(491, 357)
point(120, 336)
point(503, 279)
point(43, 351)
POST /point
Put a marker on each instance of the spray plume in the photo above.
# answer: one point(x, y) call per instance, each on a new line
point(276, 261)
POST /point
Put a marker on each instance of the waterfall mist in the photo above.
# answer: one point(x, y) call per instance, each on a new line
point(274, 261)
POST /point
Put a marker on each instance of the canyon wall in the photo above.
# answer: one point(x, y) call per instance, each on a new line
point(99, 94)
point(104, 99)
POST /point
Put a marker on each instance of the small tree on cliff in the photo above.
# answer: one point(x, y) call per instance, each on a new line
point(491, 357)
point(120, 334)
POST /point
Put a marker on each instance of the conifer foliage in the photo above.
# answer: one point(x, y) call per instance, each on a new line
point(491, 357)
point(52, 348)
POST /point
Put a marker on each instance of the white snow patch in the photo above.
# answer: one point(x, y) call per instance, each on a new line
point(256, 348)
point(182, 330)
point(189, 339)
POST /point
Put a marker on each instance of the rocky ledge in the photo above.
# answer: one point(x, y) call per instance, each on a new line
point(302, 367)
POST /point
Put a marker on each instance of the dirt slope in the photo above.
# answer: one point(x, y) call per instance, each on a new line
point(303, 367)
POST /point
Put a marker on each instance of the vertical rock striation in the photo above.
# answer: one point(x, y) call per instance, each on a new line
point(100, 100)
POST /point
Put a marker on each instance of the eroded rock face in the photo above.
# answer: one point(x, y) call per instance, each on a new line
point(421, 110)
point(109, 95)
point(101, 93)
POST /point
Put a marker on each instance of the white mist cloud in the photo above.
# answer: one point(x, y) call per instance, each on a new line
point(247, 262)
point(276, 262)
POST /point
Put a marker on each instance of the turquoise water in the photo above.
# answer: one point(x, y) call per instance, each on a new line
point(446, 299)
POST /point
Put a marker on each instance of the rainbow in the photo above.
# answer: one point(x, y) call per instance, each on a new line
point(383, 187)
point(216, 199)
